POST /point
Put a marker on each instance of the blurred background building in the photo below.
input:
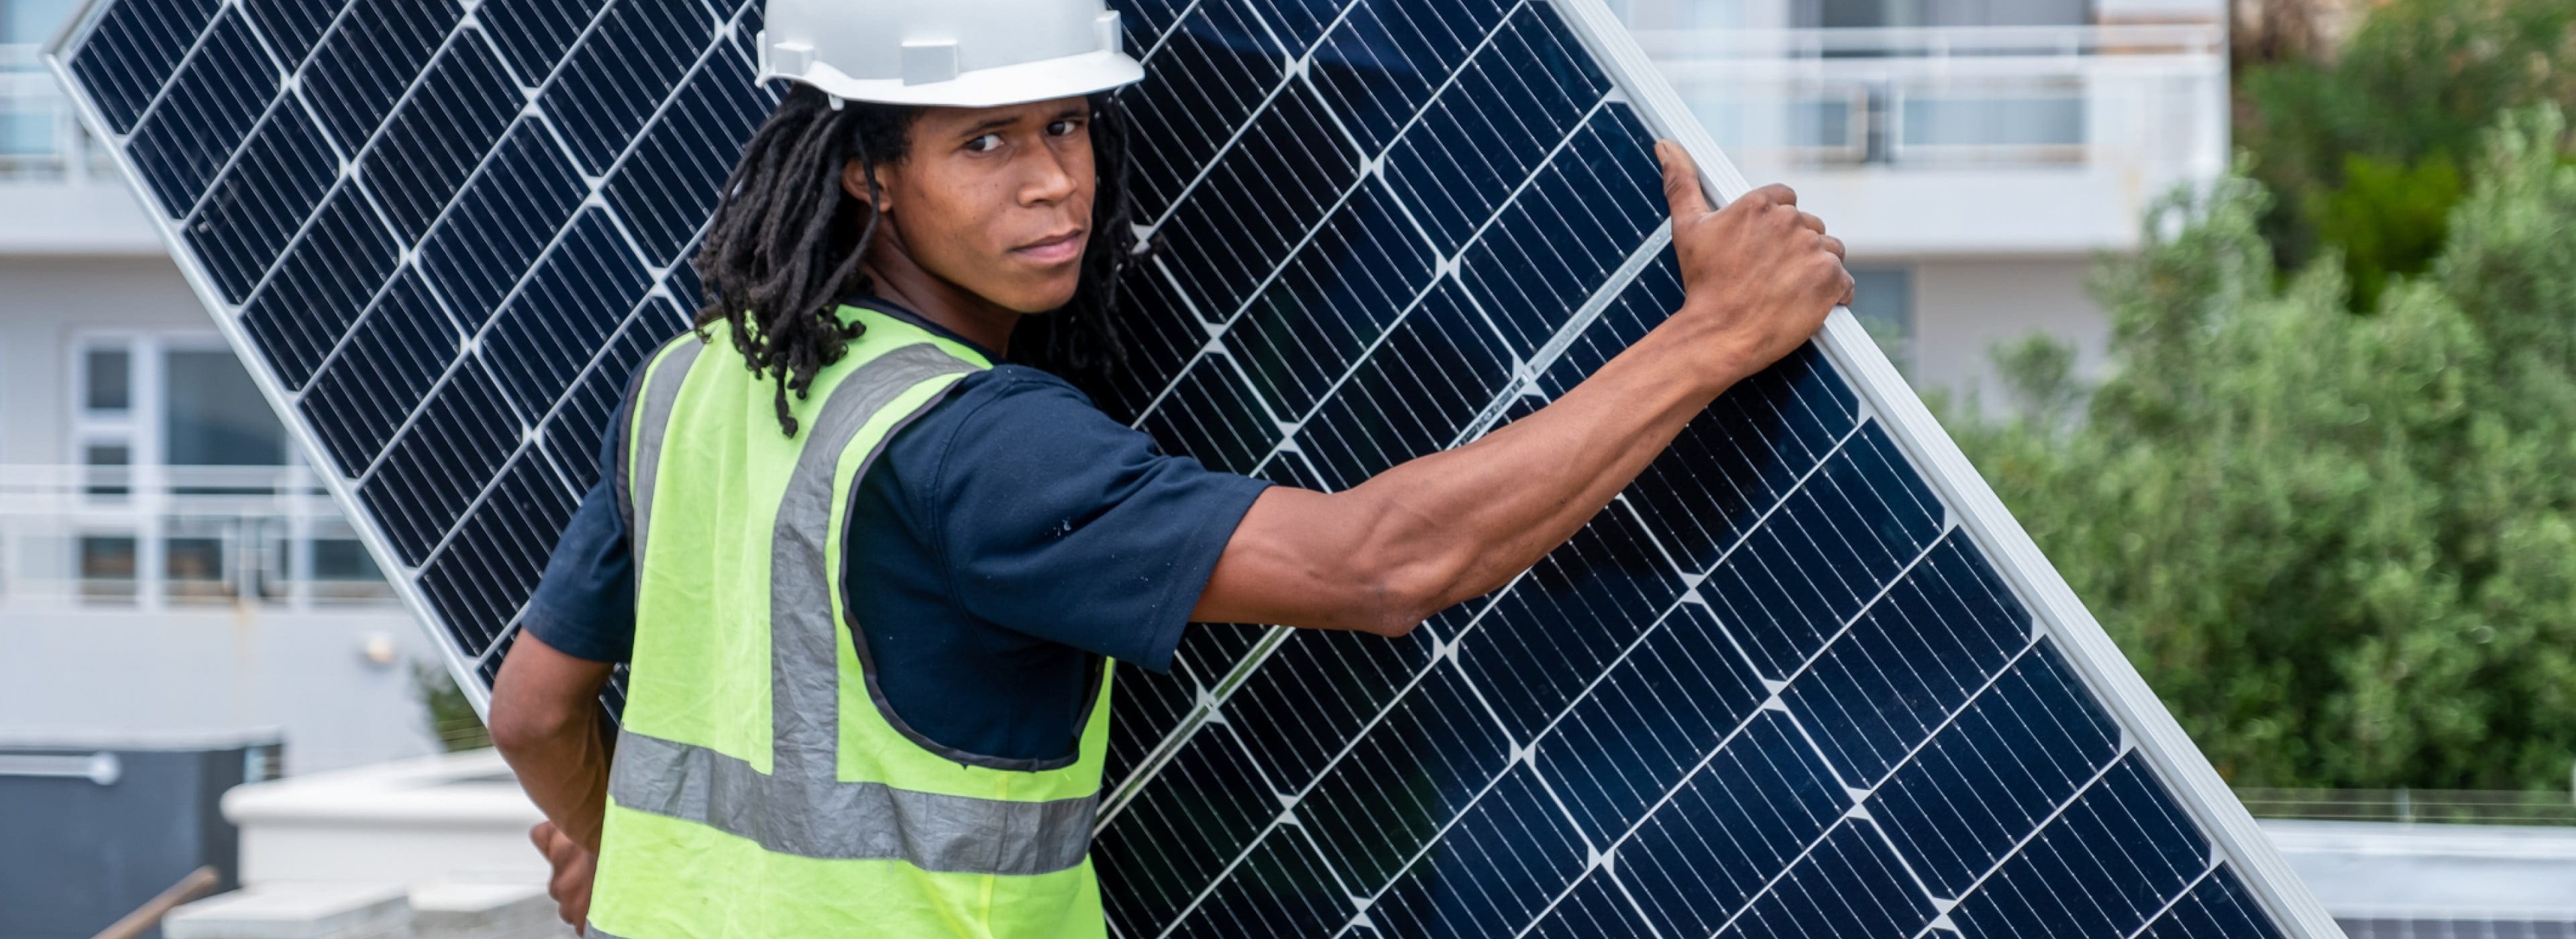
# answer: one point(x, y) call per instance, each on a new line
point(1976, 155)
point(182, 609)
point(169, 571)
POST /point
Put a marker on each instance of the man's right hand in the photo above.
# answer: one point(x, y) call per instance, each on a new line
point(573, 866)
point(1760, 275)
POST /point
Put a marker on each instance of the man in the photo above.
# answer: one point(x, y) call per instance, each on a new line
point(870, 548)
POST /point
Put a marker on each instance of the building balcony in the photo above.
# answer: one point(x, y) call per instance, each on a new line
point(60, 193)
point(176, 539)
point(1964, 140)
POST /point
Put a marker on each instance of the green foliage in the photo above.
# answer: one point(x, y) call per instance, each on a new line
point(2342, 548)
point(2364, 148)
point(451, 717)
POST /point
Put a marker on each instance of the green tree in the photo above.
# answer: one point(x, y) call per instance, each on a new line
point(2363, 149)
point(2342, 548)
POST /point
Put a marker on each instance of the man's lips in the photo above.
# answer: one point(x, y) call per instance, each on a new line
point(1054, 250)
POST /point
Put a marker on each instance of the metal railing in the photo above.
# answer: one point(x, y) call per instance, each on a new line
point(41, 140)
point(2413, 806)
point(2151, 96)
point(177, 537)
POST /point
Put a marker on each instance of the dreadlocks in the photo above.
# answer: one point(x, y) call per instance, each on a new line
point(786, 244)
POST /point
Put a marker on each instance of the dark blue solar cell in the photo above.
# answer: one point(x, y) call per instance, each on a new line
point(535, 33)
point(1144, 707)
point(620, 73)
point(1610, 578)
point(1413, 396)
point(436, 466)
point(1212, 649)
point(1989, 778)
point(1385, 59)
point(1760, 801)
point(1594, 910)
point(1161, 336)
point(1403, 780)
point(1484, 134)
point(339, 261)
point(1260, 200)
point(1298, 23)
point(1208, 78)
point(1578, 220)
point(485, 573)
point(1281, 888)
point(1290, 468)
point(1848, 886)
point(218, 94)
point(440, 133)
point(1935, 638)
point(292, 26)
point(668, 186)
point(1212, 414)
point(579, 292)
point(381, 373)
point(1316, 692)
point(493, 657)
point(366, 62)
point(2101, 868)
point(2216, 908)
point(1145, 21)
point(1493, 872)
point(1204, 808)
point(1639, 308)
point(502, 220)
point(581, 418)
point(1648, 722)
point(1359, 272)
point(682, 277)
point(1740, 456)
point(1824, 553)
point(260, 201)
point(136, 45)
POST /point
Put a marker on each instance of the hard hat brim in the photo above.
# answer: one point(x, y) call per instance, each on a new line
point(983, 88)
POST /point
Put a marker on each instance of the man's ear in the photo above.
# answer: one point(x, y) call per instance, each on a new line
point(854, 181)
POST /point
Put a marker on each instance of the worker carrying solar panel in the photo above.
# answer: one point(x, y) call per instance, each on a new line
point(870, 549)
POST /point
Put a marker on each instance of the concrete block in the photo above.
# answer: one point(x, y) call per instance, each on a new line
point(296, 911)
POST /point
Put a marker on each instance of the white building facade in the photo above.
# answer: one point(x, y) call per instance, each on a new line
point(1975, 155)
point(168, 568)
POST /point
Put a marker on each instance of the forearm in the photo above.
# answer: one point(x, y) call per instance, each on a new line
point(1460, 523)
point(566, 775)
point(547, 724)
point(1447, 527)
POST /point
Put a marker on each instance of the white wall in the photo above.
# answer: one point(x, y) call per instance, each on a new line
point(1963, 308)
point(107, 676)
point(44, 301)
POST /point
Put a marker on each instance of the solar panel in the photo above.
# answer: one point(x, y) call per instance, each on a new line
point(1805, 677)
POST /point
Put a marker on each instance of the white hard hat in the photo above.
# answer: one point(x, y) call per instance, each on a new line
point(960, 53)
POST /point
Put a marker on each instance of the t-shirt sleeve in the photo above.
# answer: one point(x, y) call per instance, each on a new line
point(584, 605)
point(1063, 524)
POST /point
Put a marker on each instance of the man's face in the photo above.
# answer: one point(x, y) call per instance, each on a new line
point(995, 200)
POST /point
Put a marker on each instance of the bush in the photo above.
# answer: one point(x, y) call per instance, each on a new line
point(2342, 548)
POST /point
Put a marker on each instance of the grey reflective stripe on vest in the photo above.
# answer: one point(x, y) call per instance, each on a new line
point(661, 392)
point(834, 820)
point(800, 807)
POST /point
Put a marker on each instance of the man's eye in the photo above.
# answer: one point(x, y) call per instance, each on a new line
point(1062, 128)
point(985, 144)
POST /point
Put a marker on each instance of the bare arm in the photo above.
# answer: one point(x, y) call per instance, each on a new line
point(546, 723)
point(1758, 277)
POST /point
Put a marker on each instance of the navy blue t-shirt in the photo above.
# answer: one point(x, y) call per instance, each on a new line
point(998, 545)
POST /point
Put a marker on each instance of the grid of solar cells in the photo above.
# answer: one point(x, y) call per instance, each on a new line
point(447, 237)
point(1773, 690)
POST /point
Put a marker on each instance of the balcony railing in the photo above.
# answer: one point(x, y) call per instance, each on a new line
point(2150, 98)
point(41, 141)
point(177, 537)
